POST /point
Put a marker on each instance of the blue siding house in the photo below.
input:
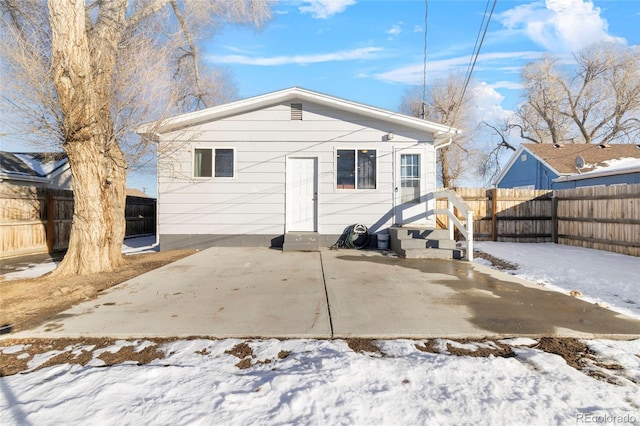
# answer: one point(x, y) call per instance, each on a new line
point(557, 166)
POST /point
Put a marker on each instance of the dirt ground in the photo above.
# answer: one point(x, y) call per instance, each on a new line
point(496, 262)
point(28, 302)
point(81, 351)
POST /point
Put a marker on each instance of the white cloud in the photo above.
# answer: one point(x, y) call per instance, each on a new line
point(395, 29)
point(339, 56)
point(322, 9)
point(417, 29)
point(488, 103)
point(412, 74)
point(559, 25)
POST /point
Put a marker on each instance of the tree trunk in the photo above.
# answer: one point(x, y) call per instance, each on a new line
point(445, 172)
point(83, 60)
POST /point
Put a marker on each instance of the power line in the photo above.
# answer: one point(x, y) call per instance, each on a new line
point(478, 46)
point(424, 67)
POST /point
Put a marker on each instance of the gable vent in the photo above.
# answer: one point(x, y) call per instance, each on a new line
point(296, 111)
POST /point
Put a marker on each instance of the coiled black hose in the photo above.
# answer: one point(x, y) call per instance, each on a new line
point(356, 236)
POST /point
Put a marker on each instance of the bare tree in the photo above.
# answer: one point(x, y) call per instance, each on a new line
point(595, 100)
point(89, 72)
point(445, 104)
point(489, 167)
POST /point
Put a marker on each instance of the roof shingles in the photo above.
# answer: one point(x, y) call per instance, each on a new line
point(562, 158)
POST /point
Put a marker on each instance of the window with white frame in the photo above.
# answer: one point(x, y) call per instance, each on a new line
point(356, 168)
point(410, 178)
point(218, 162)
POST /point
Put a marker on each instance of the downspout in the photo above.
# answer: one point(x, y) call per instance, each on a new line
point(442, 145)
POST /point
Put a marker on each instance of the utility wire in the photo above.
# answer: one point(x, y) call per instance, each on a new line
point(478, 46)
point(424, 67)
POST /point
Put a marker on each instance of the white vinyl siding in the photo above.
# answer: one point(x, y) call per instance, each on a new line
point(253, 202)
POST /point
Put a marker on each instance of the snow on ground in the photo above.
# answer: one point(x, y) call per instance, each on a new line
point(136, 245)
point(323, 382)
point(606, 278)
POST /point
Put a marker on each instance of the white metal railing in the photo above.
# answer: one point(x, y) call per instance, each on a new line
point(455, 202)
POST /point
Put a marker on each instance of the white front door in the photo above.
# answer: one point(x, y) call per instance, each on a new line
point(302, 194)
point(410, 192)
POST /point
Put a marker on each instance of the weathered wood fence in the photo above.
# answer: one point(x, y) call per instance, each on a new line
point(38, 220)
point(604, 218)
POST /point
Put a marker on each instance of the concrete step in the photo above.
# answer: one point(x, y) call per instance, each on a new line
point(423, 243)
point(404, 233)
point(420, 243)
point(301, 241)
point(430, 253)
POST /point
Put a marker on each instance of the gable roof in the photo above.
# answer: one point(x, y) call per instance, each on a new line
point(440, 131)
point(622, 166)
point(32, 166)
point(134, 192)
point(561, 159)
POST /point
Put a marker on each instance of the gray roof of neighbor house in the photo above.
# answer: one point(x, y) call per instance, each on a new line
point(33, 164)
point(562, 158)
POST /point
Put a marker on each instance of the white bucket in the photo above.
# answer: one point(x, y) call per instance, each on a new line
point(383, 241)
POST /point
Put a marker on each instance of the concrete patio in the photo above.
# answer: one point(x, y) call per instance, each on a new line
point(259, 292)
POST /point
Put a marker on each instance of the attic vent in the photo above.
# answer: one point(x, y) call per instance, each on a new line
point(296, 111)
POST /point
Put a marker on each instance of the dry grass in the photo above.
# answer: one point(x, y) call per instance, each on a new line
point(28, 302)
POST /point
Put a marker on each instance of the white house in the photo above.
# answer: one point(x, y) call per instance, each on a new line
point(249, 172)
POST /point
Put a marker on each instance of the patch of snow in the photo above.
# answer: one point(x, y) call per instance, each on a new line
point(32, 270)
point(14, 349)
point(42, 168)
point(139, 245)
point(130, 246)
point(481, 261)
point(606, 278)
point(518, 341)
point(39, 359)
point(618, 163)
point(319, 382)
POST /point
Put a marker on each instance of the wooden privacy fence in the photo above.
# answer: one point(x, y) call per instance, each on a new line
point(604, 218)
point(38, 220)
point(511, 215)
point(601, 217)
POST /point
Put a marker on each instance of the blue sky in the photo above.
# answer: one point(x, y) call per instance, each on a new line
point(371, 51)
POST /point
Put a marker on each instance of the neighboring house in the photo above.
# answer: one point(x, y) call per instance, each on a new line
point(40, 169)
point(557, 166)
point(249, 172)
point(133, 192)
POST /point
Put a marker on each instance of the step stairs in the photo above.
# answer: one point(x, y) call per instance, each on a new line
point(301, 241)
point(423, 243)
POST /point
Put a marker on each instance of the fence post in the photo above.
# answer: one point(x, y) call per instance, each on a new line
point(50, 230)
point(554, 218)
point(494, 214)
